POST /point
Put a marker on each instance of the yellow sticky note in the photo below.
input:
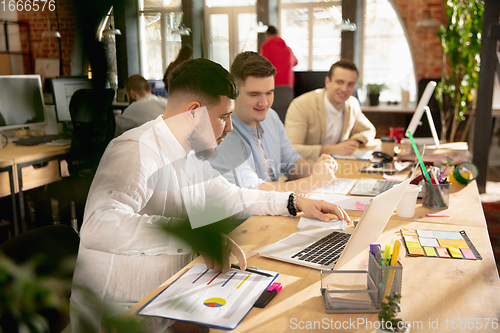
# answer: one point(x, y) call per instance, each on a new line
point(455, 252)
point(413, 244)
point(453, 242)
point(430, 251)
point(416, 251)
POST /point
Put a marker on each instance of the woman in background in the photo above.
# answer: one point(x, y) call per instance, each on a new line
point(185, 53)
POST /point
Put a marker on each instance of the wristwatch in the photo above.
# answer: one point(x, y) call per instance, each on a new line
point(292, 204)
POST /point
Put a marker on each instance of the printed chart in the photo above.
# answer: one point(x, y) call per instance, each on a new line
point(211, 298)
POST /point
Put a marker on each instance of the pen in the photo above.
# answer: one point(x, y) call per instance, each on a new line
point(252, 271)
point(395, 253)
point(442, 173)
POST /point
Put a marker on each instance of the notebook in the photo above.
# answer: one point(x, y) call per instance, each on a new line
point(372, 187)
point(322, 248)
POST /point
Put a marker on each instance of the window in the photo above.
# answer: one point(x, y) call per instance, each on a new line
point(308, 28)
point(386, 53)
point(159, 44)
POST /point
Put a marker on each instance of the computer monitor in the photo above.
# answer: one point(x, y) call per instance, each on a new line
point(21, 101)
point(63, 89)
point(419, 112)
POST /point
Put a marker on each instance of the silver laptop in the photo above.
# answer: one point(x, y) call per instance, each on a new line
point(372, 187)
point(323, 249)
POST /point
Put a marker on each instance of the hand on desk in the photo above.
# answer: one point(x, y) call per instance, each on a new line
point(229, 247)
point(318, 209)
point(323, 170)
point(344, 148)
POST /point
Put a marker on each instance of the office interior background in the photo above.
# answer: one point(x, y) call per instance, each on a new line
point(393, 42)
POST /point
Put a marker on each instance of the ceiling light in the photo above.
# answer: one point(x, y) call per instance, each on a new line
point(182, 30)
point(346, 25)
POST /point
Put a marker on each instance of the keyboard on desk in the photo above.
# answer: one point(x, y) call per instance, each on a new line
point(326, 250)
point(36, 140)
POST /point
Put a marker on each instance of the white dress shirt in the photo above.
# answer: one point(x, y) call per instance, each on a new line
point(145, 176)
point(334, 123)
point(139, 112)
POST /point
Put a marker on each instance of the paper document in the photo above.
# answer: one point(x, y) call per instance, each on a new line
point(333, 224)
point(201, 295)
point(360, 155)
point(351, 202)
point(338, 185)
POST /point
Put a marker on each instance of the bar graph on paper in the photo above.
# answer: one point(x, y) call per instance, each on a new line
point(208, 297)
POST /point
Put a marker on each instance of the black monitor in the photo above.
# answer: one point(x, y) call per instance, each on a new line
point(307, 81)
point(21, 101)
point(63, 89)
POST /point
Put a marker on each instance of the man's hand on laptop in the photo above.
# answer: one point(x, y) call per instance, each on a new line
point(318, 209)
point(229, 247)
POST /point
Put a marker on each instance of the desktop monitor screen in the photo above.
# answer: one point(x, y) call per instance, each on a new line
point(63, 89)
point(419, 111)
point(21, 101)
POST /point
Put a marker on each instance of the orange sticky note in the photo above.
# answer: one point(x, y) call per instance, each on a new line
point(453, 242)
point(416, 251)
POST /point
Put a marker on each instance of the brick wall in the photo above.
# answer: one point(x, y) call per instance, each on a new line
point(427, 51)
point(48, 47)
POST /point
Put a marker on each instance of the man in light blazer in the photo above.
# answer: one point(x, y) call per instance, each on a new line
point(329, 120)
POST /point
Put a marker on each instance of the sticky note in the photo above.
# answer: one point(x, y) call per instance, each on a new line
point(426, 233)
point(429, 242)
point(447, 234)
point(359, 206)
point(412, 244)
point(443, 252)
point(429, 251)
point(453, 242)
point(416, 251)
point(411, 238)
point(408, 232)
point(455, 252)
point(468, 254)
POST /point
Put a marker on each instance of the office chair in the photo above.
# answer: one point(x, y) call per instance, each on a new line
point(56, 247)
point(283, 96)
point(93, 128)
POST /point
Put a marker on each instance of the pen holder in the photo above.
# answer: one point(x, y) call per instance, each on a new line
point(360, 291)
point(436, 196)
point(388, 279)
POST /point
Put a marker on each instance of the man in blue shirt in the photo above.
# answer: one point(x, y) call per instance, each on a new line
point(258, 151)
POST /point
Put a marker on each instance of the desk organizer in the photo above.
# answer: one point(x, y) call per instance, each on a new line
point(363, 291)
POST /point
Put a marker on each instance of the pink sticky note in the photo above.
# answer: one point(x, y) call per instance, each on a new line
point(438, 215)
point(468, 254)
point(359, 205)
point(388, 177)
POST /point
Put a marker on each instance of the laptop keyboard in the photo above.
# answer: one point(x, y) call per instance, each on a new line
point(325, 251)
point(36, 140)
point(383, 185)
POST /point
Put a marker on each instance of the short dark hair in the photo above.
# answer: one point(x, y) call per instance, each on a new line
point(250, 63)
point(203, 78)
point(272, 31)
point(343, 63)
point(138, 84)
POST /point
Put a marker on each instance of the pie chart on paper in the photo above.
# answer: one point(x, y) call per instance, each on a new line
point(214, 302)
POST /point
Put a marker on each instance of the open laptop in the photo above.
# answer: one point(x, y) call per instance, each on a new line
point(372, 187)
point(323, 249)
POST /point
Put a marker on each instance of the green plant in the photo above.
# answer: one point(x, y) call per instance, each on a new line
point(375, 88)
point(461, 43)
point(388, 312)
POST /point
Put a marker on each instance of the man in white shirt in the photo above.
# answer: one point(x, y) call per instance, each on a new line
point(329, 120)
point(159, 171)
point(143, 107)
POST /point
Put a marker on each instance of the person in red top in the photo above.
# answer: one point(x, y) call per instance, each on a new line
point(281, 56)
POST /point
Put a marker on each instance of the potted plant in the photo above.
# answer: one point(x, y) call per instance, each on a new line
point(373, 90)
point(387, 316)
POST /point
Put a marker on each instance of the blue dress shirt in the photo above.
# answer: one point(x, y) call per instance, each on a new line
point(242, 161)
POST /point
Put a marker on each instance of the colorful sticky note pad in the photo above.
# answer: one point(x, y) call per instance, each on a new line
point(443, 252)
point(447, 235)
point(468, 254)
point(416, 251)
point(413, 244)
point(408, 232)
point(429, 251)
point(429, 242)
point(453, 242)
point(455, 252)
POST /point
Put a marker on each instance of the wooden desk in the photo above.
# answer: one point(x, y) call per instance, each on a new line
point(435, 291)
point(33, 166)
